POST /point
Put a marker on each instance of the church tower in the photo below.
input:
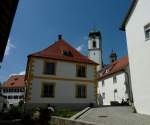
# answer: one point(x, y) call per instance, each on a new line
point(95, 48)
point(113, 57)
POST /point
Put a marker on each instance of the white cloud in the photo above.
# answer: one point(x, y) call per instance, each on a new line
point(80, 48)
point(20, 73)
point(9, 47)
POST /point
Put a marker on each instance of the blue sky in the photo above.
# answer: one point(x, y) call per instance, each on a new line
point(38, 22)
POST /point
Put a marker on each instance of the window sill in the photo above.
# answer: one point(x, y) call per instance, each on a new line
point(81, 76)
point(47, 97)
point(81, 97)
point(49, 74)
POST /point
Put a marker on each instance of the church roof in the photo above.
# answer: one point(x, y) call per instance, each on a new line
point(108, 70)
point(61, 50)
point(14, 81)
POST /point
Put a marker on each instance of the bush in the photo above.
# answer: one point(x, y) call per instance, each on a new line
point(16, 111)
point(115, 103)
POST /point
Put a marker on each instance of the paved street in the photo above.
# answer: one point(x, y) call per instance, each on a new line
point(115, 116)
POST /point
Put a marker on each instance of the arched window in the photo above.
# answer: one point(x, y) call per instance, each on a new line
point(94, 44)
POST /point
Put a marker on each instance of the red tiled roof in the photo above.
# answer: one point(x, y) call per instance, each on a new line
point(14, 81)
point(110, 69)
point(56, 51)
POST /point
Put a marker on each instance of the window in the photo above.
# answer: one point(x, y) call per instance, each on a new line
point(114, 79)
point(15, 97)
point(49, 68)
point(67, 53)
point(103, 84)
point(107, 71)
point(21, 89)
point(147, 31)
point(11, 90)
point(21, 97)
point(115, 94)
point(16, 90)
point(5, 97)
point(94, 44)
point(5, 90)
point(103, 95)
point(10, 97)
point(81, 71)
point(12, 83)
point(48, 90)
point(81, 91)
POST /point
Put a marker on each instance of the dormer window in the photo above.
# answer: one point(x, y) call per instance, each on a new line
point(94, 44)
point(67, 53)
point(15, 79)
point(107, 70)
point(12, 83)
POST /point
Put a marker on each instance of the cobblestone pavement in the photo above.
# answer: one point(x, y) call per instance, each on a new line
point(115, 116)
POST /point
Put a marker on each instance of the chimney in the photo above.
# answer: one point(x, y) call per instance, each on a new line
point(60, 37)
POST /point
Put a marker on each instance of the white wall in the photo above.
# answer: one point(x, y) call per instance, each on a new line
point(90, 43)
point(63, 69)
point(109, 88)
point(64, 89)
point(13, 101)
point(65, 92)
point(139, 56)
point(96, 56)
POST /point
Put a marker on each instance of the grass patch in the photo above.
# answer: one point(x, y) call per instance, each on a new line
point(65, 113)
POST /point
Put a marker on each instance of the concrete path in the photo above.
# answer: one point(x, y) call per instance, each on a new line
point(115, 116)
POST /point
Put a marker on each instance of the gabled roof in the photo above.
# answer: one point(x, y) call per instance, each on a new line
point(115, 67)
point(129, 13)
point(61, 50)
point(14, 81)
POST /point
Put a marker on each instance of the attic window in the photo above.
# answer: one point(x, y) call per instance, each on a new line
point(107, 70)
point(12, 83)
point(15, 79)
point(67, 53)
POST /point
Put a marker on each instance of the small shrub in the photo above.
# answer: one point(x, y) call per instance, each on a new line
point(35, 113)
point(115, 103)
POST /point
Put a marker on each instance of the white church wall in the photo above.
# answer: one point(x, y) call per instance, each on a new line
point(95, 53)
point(109, 87)
point(139, 53)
